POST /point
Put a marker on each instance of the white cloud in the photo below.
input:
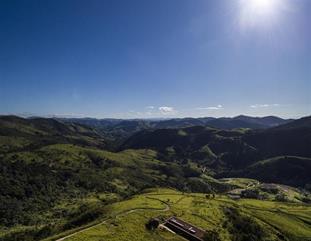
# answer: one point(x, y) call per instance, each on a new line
point(166, 110)
point(150, 107)
point(218, 107)
point(264, 105)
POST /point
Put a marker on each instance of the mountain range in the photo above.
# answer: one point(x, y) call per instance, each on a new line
point(118, 128)
point(49, 167)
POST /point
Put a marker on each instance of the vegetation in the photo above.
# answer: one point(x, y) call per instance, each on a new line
point(280, 154)
point(55, 175)
point(58, 177)
point(120, 129)
point(289, 170)
point(223, 218)
point(243, 228)
point(152, 224)
point(211, 236)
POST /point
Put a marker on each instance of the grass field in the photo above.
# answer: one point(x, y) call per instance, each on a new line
point(287, 221)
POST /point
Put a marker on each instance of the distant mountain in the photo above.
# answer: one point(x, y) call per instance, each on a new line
point(61, 172)
point(265, 122)
point(212, 147)
point(19, 133)
point(121, 129)
point(178, 123)
point(100, 123)
point(226, 151)
point(232, 123)
point(289, 170)
point(243, 121)
point(56, 176)
point(293, 138)
point(301, 123)
point(269, 142)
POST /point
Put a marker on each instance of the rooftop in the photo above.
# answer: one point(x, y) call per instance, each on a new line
point(185, 229)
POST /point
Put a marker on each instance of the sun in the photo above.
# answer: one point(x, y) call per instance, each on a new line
point(260, 12)
point(262, 7)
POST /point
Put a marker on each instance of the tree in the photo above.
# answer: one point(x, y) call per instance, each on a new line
point(281, 197)
point(152, 224)
point(211, 235)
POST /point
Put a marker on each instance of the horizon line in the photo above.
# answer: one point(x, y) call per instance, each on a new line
point(56, 116)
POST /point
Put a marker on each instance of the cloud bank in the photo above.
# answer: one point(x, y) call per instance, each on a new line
point(218, 107)
point(167, 110)
point(264, 105)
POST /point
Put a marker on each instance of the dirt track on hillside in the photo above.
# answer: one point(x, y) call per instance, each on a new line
point(167, 208)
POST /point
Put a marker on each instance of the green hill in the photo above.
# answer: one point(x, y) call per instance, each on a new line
point(57, 176)
point(50, 172)
point(192, 143)
point(237, 153)
point(41, 186)
point(289, 170)
point(245, 219)
point(25, 134)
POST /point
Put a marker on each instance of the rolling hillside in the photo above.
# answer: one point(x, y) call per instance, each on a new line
point(246, 219)
point(226, 151)
point(18, 133)
point(51, 171)
point(57, 176)
point(289, 170)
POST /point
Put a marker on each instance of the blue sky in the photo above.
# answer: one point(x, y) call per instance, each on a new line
point(144, 58)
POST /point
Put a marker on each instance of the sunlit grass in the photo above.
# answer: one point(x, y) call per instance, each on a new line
point(291, 219)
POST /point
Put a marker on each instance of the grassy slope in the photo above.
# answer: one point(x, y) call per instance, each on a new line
point(18, 134)
point(291, 220)
point(290, 170)
point(236, 153)
point(54, 177)
point(57, 184)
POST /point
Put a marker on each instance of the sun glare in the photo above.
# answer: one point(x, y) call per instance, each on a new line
point(260, 12)
point(262, 7)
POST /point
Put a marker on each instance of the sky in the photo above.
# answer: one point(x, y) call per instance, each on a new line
point(155, 59)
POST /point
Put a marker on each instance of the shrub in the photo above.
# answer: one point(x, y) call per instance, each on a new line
point(243, 228)
point(250, 193)
point(152, 224)
point(281, 197)
point(211, 236)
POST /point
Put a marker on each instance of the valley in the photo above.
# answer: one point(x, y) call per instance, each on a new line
point(148, 120)
point(62, 180)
